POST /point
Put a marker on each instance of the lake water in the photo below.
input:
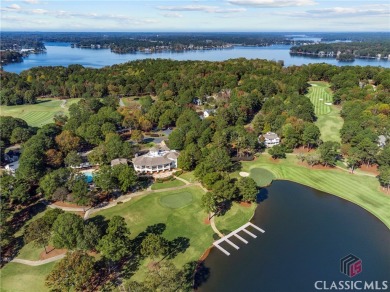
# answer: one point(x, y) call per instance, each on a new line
point(307, 232)
point(61, 54)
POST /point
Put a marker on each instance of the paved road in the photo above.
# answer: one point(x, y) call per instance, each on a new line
point(38, 263)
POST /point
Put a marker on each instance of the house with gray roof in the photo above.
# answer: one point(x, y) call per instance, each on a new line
point(159, 158)
point(270, 139)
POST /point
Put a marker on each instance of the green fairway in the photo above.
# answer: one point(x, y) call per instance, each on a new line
point(359, 189)
point(328, 115)
point(186, 221)
point(38, 114)
point(23, 278)
point(176, 201)
point(319, 96)
point(262, 176)
point(167, 184)
point(234, 218)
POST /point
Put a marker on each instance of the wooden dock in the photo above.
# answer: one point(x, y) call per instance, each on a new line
point(234, 233)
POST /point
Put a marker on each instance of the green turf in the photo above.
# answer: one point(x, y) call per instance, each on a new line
point(187, 221)
point(262, 176)
point(319, 97)
point(30, 252)
point(189, 176)
point(234, 218)
point(359, 189)
point(38, 114)
point(328, 116)
point(167, 184)
point(175, 201)
point(22, 278)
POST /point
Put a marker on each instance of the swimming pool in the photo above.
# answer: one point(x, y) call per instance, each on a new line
point(88, 176)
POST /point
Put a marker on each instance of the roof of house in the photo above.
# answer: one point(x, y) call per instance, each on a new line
point(271, 136)
point(382, 139)
point(163, 146)
point(118, 161)
point(145, 160)
point(172, 155)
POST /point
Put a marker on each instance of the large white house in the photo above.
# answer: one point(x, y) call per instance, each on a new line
point(270, 139)
point(158, 158)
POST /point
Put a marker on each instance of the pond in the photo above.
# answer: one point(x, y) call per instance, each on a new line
point(307, 232)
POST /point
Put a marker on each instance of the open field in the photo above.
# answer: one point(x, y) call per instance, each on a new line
point(360, 189)
point(186, 221)
point(167, 184)
point(38, 114)
point(234, 218)
point(23, 278)
point(328, 116)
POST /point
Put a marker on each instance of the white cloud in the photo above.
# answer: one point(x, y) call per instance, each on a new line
point(172, 15)
point(32, 1)
point(14, 7)
point(272, 3)
point(337, 12)
point(39, 11)
point(201, 8)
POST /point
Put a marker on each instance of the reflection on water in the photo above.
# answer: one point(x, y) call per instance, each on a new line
point(307, 232)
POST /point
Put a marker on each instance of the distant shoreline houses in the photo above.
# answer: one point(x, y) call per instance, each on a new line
point(159, 158)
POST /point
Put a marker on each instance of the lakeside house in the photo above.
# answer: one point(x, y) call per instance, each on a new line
point(270, 139)
point(159, 158)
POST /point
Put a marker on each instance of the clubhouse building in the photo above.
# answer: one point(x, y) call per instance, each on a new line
point(159, 158)
point(270, 139)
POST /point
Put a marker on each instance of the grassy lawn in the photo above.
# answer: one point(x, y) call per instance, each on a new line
point(189, 176)
point(38, 114)
point(262, 176)
point(179, 211)
point(167, 184)
point(234, 218)
point(361, 190)
point(328, 116)
point(18, 277)
point(131, 101)
point(30, 252)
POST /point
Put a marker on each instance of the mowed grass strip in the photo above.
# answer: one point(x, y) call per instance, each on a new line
point(38, 114)
point(359, 189)
point(23, 278)
point(186, 221)
point(319, 97)
point(235, 217)
point(328, 116)
point(167, 184)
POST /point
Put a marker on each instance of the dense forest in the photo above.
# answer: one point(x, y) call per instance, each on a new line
point(346, 51)
point(248, 98)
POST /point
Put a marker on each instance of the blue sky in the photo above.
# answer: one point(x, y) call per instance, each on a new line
point(217, 15)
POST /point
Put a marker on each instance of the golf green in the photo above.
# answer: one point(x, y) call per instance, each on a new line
point(175, 201)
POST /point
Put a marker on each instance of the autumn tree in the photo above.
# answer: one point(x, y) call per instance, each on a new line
point(67, 141)
point(74, 271)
